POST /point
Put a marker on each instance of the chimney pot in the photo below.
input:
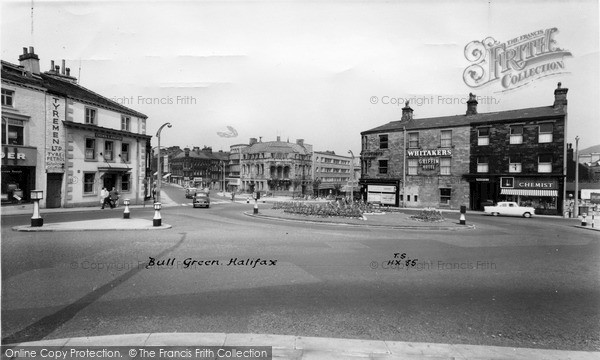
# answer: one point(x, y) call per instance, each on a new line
point(24, 51)
point(279, 138)
point(57, 69)
point(68, 72)
point(63, 66)
point(51, 65)
point(31, 50)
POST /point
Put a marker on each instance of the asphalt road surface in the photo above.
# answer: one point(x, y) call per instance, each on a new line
point(509, 282)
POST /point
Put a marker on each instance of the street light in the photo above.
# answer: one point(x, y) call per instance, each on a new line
point(158, 182)
point(353, 177)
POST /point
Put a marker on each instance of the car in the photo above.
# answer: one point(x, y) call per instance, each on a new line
point(201, 200)
point(509, 208)
point(189, 192)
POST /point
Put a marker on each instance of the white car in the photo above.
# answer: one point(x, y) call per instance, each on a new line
point(509, 208)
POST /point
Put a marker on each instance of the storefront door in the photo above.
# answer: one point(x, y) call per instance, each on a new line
point(54, 190)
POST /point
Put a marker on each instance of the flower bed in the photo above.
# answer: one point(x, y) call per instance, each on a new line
point(429, 216)
point(328, 209)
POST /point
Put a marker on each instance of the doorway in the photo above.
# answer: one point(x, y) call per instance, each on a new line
point(53, 190)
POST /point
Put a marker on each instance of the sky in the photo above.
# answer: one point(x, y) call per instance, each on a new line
point(322, 71)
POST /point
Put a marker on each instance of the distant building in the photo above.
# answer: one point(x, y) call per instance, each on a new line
point(69, 141)
point(276, 166)
point(201, 168)
point(471, 159)
point(332, 173)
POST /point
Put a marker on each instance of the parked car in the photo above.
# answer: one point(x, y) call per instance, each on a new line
point(509, 208)
point(201, 200)
point(190, 192)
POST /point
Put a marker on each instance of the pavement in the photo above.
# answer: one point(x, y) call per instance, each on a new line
point(300, 347)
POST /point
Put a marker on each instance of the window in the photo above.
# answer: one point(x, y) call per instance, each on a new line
point(446, 138)
point(444, 166)
point(88, 183)
point(125, 152)
point(407, 197)
point(483, 136)
point(416, 198)
point(445, 195)
point(125, 123)
point(545, 163)
point(516, 134)
point(383, 141)
point(12, 131)
point(482, 164)
point(8, 97)
point(514, 164)
point(108, 150)
point(545, 133)
point(90, 149)
point(125, 182)
point(413, 140)
point(90, 116)
point(383, 166)
point(413, 165)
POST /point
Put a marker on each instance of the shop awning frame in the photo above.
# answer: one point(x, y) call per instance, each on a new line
point(529, 192)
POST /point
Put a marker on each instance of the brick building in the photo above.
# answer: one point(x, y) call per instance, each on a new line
point(200, 168)
point(470, 159)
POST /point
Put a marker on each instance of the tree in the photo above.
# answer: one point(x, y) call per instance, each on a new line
point(337, 187)
point(316, 183)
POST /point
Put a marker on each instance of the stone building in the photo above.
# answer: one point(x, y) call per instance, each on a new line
point(276, 166)
point(471, 160)
point(200, 168)
point(67, 140)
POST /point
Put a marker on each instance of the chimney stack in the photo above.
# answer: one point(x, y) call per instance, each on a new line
point(407, 112)
point(51, 65)
point(63, 67)
point(187, 152)
point(252, 141)
point(30, 61)
point(472, 105)
point(279, 138)
point(560, 97)
point(300, 142)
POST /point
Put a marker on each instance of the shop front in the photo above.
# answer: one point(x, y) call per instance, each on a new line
point(18, 173)
point(539, 193)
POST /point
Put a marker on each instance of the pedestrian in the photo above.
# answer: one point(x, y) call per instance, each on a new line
point(114, 196)
point(232, 196)
point(154, 193)
point(104, 197)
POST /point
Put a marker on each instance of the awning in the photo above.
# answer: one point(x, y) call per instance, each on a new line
point(114, 169)
point(528, 192)
point(166, 176)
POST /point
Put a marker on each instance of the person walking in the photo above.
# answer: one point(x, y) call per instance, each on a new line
point(114, 196)
point(104, 197)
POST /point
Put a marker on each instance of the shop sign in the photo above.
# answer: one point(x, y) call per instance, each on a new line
point(18, 156)
point(595, 198)
point(108, 136)
point(55, 137)
point(482, 179)
point(429, 159)
point(381, 188)
point(537, 184)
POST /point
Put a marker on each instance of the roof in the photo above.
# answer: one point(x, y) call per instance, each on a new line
point(590, 150)
point(204, 155)
point(276, 147)
point(468, 120)
point(55, 85)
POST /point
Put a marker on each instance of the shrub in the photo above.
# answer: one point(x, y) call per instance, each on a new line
point(428, 215)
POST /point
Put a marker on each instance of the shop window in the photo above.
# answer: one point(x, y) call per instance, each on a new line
point(125, 152)
point(545, 163)
point(446, 138)
point(516, 134)
point(12, 131)
point(90, 149)
point(413, 140)
point(482, 164)
point(108, 150)
point(545, 135)
point(445, 166)
point(514, 165)
point(413, 165)
point(125, 182)
point(88, 183)
point(125, 123)
point(383, 141)
point(90, 116)
point(383, 166)
point(483, 136)
point(445, 196)
point(8, 97)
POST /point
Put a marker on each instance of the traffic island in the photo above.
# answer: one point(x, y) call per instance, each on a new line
point(96, 225)
point(394, 220)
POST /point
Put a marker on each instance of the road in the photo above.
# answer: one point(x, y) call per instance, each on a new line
point(510, 282)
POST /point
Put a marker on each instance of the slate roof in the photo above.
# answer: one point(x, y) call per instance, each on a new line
point(276, 147)
point(55, 85)
point(544, 112)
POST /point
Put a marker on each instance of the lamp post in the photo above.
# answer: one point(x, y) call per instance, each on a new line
point(576, 205)
point(36, 219)
point(159, 170)
point(353, 177)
